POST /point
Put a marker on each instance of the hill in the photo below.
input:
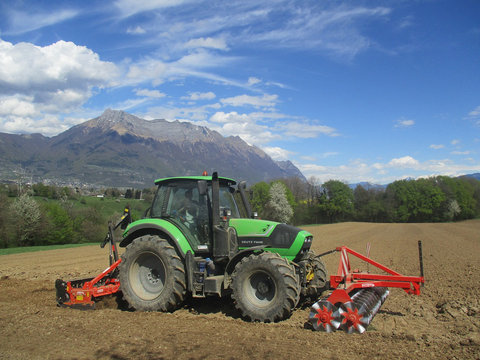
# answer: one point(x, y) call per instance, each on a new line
point(119, 149)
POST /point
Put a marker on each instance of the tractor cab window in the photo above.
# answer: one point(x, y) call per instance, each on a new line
point(181, 203)
point(227, 201)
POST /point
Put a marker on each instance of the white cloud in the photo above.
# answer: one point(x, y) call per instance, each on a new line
point(455, 142)
point(253, 81)
point(192, 65)
point(384, 173)
point(150, 93)
point(194, 96)
point(406, 161)
point(436, 147)
point(404, 123)
point(137, 30)
point(277, 153)
point(461, 152)
point(265, 100)
point(40, 82)
point(212, 43)
point(332, 30)
point(306, 130)
point(22, 22)
point(475, 113)
point(243, 125)
point(132, 7)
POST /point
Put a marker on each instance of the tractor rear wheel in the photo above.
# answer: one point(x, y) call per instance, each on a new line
point(316, 277)
point(265, 287)
point(152, 275)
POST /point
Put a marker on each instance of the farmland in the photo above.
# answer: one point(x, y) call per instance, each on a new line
point(442, 323)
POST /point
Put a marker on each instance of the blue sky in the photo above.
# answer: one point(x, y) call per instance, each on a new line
point(350, 90)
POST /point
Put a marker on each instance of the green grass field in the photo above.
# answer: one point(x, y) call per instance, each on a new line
point(18, 250)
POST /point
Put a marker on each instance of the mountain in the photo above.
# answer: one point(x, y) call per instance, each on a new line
point(119, 149)
point(474, 176)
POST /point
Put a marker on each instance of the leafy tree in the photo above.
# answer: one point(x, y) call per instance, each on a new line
point(278, 207)
point(60, 228)
point(336, 201)
point(4, 236)
point(369, 204)
point(260, 195)
point(129, 194)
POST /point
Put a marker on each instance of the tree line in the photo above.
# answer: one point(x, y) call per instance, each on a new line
point(434, 199)
point(50, 215)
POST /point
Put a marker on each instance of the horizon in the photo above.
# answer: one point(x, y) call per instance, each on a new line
point(357, 91)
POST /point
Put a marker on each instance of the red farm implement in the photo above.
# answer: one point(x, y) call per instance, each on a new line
point(357, 296)
point(82, 293)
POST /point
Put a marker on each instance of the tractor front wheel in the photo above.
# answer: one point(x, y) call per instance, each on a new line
point(265, 287)
point(152, 275)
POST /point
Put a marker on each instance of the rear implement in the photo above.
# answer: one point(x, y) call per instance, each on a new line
point(357, 296)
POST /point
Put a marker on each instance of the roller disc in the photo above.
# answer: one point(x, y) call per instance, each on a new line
point(351, 320)
point(323, 316)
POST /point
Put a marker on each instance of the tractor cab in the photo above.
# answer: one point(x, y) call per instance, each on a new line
point(188, 202)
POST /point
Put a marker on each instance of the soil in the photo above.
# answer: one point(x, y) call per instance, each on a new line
point(442, 323)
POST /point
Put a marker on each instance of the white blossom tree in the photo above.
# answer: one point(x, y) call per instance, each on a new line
point(278, 208)
point(27, 216)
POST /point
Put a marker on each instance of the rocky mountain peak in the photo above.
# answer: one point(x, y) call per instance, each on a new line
point(120, 149)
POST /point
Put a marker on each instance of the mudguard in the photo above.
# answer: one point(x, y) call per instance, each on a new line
point(164, 227)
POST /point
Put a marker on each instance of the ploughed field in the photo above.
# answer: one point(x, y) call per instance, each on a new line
point(442, 323)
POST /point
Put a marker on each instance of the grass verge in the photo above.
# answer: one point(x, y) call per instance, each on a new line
point(18, 250)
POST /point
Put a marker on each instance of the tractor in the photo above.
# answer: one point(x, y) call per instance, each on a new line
point(200, 238)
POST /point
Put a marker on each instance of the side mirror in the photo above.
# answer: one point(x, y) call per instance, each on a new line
point(202, 187)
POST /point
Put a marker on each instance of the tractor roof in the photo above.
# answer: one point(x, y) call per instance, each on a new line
point(206, 178)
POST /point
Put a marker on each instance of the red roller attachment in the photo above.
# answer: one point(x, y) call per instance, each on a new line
point(359, 313)
point(324, 316)
point(357, 296)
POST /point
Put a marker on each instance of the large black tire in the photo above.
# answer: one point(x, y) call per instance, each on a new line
point(152, 275)
point(318, 284)
point(265, 287)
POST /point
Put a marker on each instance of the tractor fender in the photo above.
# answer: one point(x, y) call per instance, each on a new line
point(235, 259)
point(157, 227)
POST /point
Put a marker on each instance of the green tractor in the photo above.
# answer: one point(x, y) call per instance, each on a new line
point(193, 241)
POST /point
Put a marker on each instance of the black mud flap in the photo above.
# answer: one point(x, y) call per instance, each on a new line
point(62, 295)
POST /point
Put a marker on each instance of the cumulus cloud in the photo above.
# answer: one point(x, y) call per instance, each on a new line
point(36, 81)
point(277, 153)
point(406, 161)
point(243, 125)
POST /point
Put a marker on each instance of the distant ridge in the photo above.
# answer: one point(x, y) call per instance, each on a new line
point(120, 149)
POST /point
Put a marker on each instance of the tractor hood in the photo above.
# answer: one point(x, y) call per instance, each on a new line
point(287, 240)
